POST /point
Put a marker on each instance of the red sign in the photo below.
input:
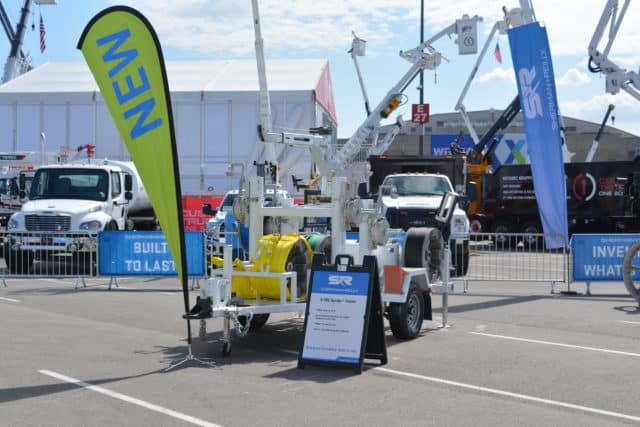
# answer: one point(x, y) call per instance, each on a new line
point(420, 113)
point(194, 219)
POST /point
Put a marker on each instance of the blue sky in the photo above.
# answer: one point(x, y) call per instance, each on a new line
point(222, 29)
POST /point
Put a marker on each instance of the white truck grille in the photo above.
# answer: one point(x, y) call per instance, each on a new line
point(47, 222)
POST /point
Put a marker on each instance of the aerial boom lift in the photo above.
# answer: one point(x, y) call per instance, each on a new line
point(616, 77)
point(512, 18)
point(420, 60)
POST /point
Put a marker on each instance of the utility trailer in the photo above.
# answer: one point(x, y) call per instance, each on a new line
point(420, 264)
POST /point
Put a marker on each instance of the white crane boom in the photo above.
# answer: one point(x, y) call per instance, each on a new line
point(420, 60)
point(616, 77)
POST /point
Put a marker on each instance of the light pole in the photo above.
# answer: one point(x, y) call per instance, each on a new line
point(421, 146)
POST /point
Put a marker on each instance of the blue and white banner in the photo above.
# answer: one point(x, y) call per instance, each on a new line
point(599, 257)
point(146, 253)
point(536, 88)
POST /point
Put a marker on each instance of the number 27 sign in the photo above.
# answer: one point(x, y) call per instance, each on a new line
point(420, 113)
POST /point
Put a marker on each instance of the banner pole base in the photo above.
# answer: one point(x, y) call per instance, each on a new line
point(188, 358)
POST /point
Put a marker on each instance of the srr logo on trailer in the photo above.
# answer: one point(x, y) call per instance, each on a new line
point(340, 280)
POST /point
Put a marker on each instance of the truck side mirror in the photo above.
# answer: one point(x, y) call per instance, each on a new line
point(128, 183)
point(22, 182)
point(206, 209)
point(128, 195)
point(472, 191)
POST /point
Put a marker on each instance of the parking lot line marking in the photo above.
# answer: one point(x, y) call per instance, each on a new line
point(510, 394)
point(129, 399)
point(9, 299)
point(580, 347)
point(629, 321)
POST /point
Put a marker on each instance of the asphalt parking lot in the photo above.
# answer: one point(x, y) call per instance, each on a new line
point(514, 354)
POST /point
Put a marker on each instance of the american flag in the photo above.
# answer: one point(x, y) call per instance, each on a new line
point(497, 53)
point(43, 46)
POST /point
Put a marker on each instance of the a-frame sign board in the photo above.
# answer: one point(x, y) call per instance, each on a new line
point(343, 325)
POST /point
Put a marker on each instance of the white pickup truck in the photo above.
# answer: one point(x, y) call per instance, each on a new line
point(412, 200)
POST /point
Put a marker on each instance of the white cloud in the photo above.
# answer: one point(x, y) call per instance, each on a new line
point(222, 27)
point(573, 77)
point(497, 74)
point(626, 111)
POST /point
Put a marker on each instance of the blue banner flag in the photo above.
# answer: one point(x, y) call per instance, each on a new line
point(537, 90)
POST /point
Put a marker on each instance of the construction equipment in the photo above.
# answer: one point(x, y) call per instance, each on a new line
point(275, 267)
point(596, 139)
point(617, 78)
point(512, 18)
point(17, 61)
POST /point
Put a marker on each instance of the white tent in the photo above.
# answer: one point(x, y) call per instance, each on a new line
point(58, 106)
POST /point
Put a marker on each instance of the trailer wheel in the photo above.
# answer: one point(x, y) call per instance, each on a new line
point(257, 320)
point(225, 349)
point(628, 268)
point(18, 262)
point(424, 247)
point(406, 318)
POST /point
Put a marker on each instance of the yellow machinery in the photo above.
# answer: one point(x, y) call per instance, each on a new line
point(275, 253)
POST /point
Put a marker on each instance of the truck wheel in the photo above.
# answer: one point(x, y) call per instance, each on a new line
point(18, 262)
point(502, 229)
point(423, 247)
point(406, 318)
point(531, 238)
point(477, 225)
point(628, 268)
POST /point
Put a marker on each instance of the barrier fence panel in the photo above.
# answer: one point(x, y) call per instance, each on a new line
point(515, 257)
point(48, 254)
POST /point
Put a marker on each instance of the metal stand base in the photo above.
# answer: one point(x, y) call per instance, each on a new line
point(188, 358)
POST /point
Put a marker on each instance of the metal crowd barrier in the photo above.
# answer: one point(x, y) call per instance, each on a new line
point(515, 257)
point(492, 257)
point(51, 254)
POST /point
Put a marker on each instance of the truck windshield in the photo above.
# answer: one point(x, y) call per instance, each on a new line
point(227, 202)
point(70, 183)
point(418, 185)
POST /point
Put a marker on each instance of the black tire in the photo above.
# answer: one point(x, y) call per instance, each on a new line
point(225, 349)
point(405, 319)
point(18, 262)
point(299, 260)
point(530, 241)
point(477, 226)
point(460, 259)
point(502, 229)
point(324, 247)
point(257, 321)
point(424, 247)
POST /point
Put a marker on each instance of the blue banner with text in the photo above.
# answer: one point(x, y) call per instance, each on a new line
point(146, 253)
point(599, 257)
point(537, 90)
